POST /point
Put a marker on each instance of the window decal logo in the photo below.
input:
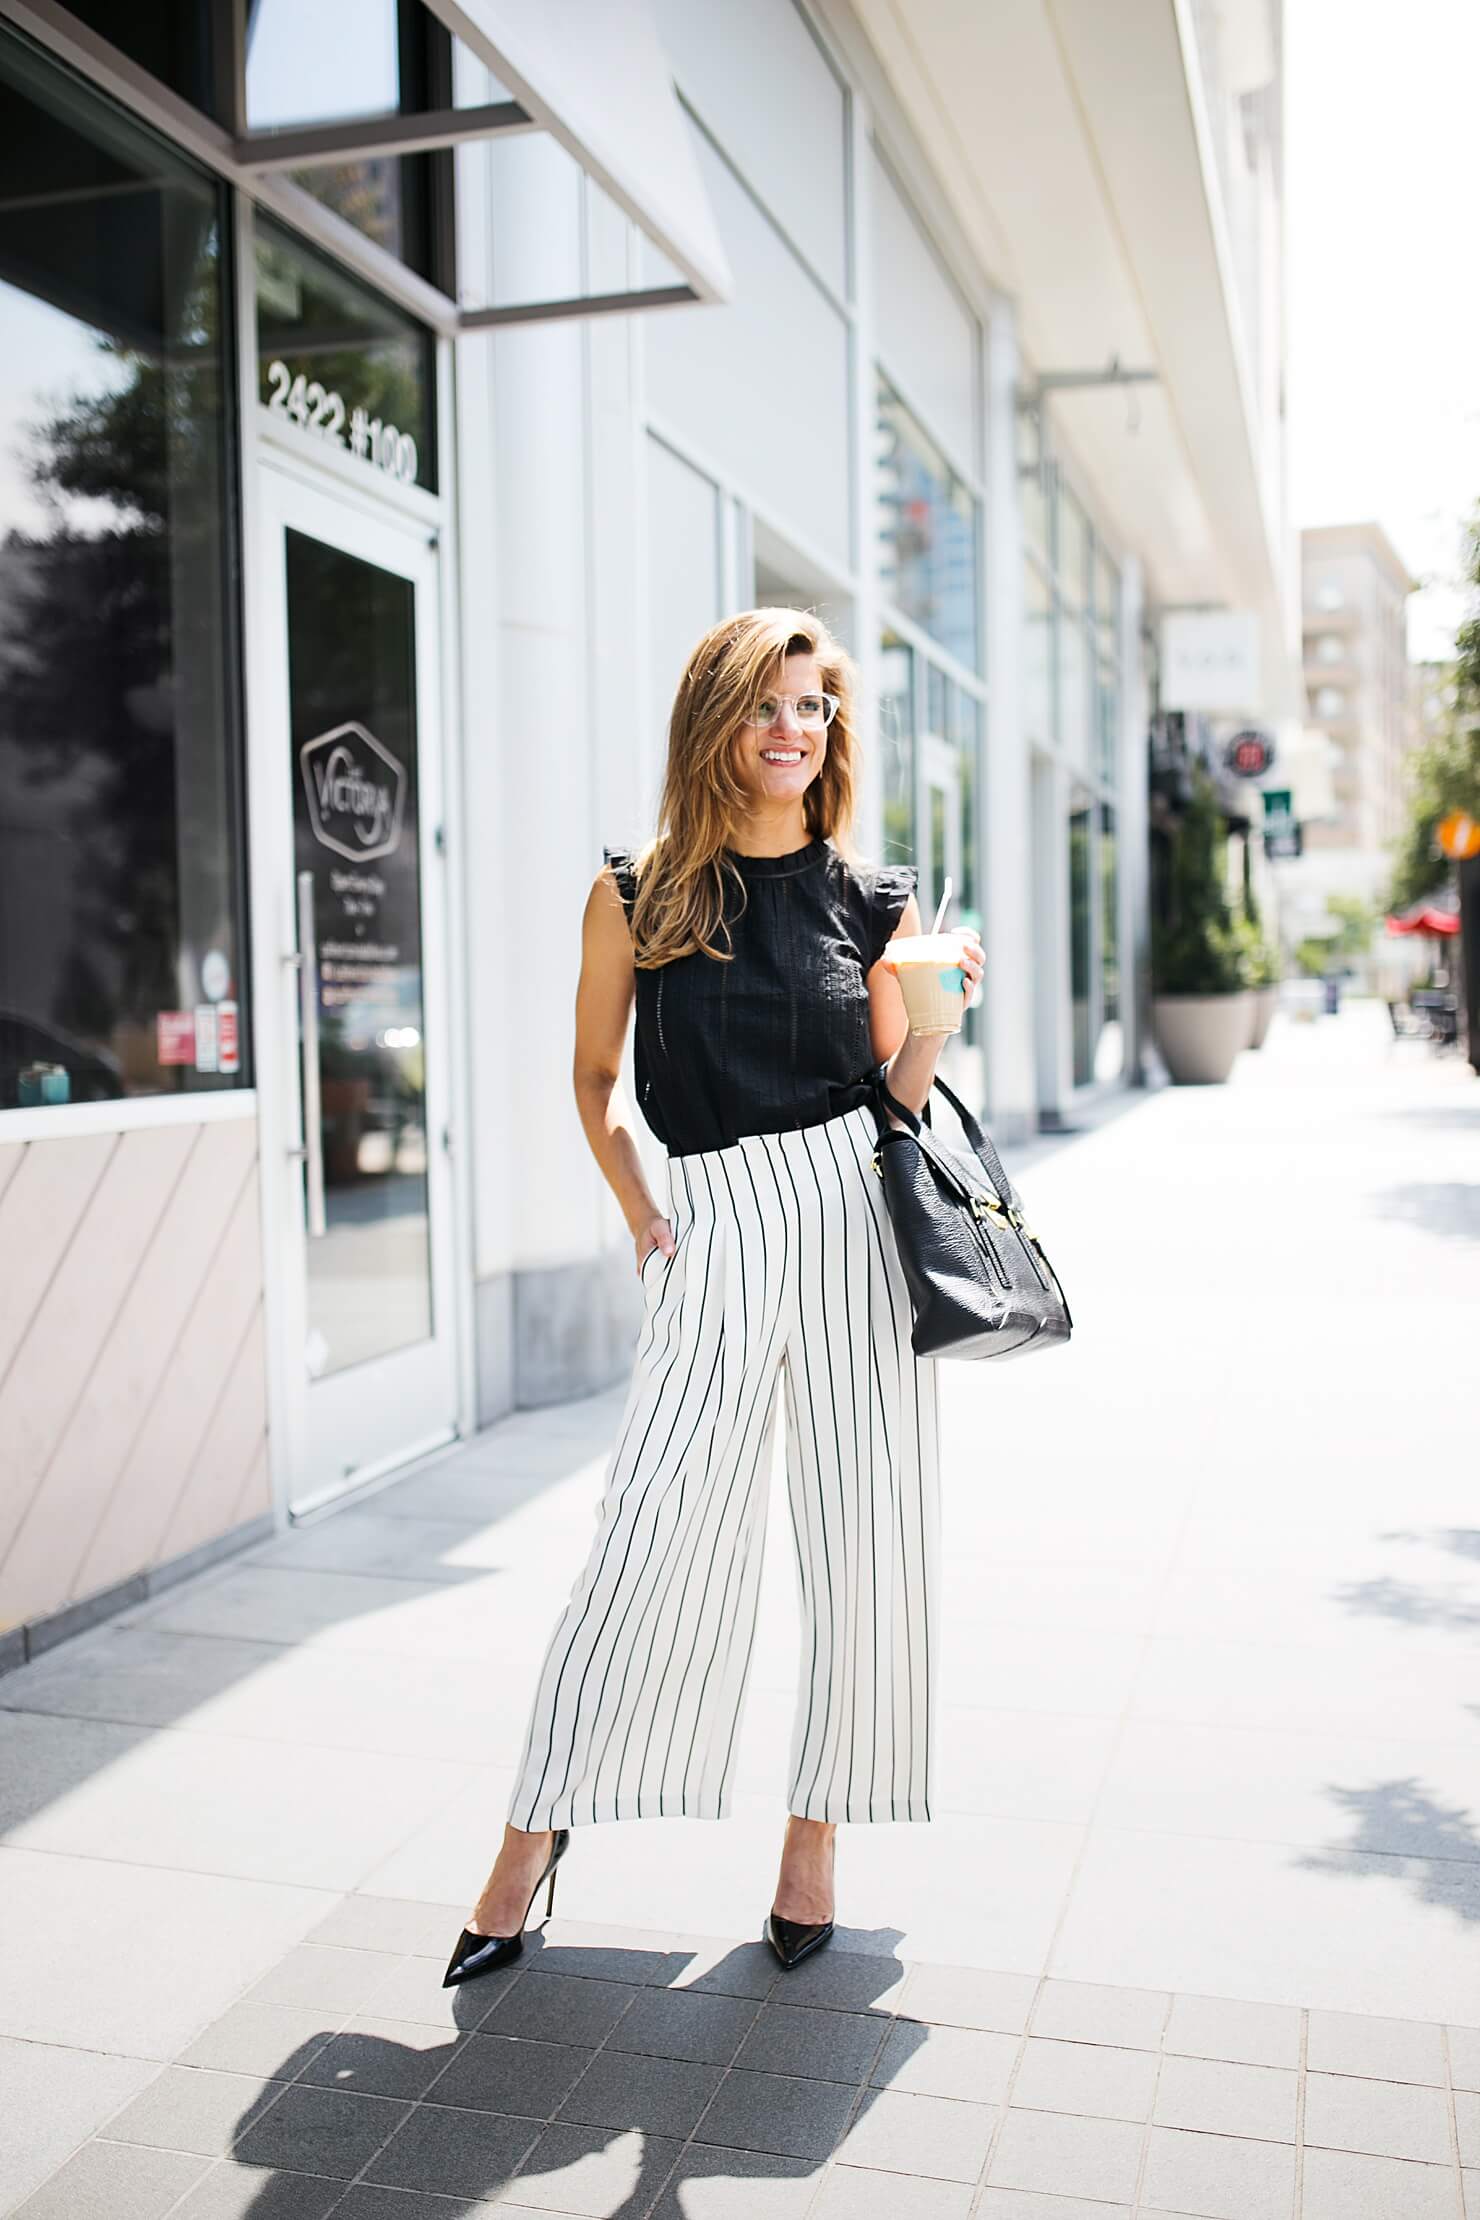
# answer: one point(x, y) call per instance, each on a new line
point(356, 792)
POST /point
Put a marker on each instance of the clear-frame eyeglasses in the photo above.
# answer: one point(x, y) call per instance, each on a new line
point(808, 709)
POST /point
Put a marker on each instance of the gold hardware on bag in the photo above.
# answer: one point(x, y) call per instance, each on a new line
point(878, 1167)
point(986, 1206)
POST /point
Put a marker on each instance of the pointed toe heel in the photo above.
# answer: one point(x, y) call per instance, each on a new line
point(795, 1939)
point(474, 1954)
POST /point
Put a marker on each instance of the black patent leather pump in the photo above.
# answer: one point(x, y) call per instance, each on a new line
point(477, 1953)
point(795, 1939)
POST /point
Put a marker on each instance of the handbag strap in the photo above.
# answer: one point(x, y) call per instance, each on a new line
point(980, 1141)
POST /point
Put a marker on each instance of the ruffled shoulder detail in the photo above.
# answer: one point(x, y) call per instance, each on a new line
point(624, 871)
point(893, 885)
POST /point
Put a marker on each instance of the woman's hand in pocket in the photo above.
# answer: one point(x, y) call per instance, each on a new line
point(653, 1233)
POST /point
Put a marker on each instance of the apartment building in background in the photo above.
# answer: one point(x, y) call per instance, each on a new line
point(1359, 691)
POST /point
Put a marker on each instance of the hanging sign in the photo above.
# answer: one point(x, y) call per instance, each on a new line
point(1210, 660)
point(1458, 835)
point(1250, 753)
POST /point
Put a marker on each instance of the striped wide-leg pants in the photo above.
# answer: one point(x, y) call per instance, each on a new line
point(785, 1285)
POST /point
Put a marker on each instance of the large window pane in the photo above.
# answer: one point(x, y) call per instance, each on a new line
point(897, 741)
point(1031, 484)
point(342, 361)
point(1038, 657)
point(346, 58)
point(1080, 929)
point(1109, 1058)
point(177, 41)
point(1073, 549)
point(121, 952)
point(1074, 686)
point(928, 530)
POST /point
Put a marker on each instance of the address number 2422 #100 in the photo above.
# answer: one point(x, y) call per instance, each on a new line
point(322, 412)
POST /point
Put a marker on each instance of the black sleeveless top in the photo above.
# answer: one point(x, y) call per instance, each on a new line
point(778, 1037)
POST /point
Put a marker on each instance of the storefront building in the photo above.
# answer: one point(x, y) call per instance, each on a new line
point(362, 487)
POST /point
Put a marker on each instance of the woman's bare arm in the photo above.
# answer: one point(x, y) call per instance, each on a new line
point(604, 998)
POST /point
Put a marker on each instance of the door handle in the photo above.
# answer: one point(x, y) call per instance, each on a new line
point(312, 1151)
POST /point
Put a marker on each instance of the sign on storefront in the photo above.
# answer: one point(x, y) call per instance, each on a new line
point(1210, 660)
point(1250, 753)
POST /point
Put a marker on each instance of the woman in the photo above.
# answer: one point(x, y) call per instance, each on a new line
point(756, 944)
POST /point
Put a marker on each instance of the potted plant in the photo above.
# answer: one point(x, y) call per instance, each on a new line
point(1261, 963)
point(1200, 995)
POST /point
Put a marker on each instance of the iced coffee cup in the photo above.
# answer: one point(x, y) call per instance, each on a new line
point(928, 968)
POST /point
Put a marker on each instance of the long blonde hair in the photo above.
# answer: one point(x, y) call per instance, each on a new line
point(681, 870)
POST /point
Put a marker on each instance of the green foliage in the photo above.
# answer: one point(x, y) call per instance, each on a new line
point(1444, 773)
point(1312, 958)
point(1196, 946)
point(1357, 921)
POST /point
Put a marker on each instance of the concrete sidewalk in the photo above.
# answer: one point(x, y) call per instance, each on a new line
point(1196, 1930)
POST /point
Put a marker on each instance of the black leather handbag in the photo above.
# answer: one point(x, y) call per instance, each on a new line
point(980, 1282)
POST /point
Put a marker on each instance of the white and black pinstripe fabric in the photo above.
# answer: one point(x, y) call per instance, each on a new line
point(785, 1285)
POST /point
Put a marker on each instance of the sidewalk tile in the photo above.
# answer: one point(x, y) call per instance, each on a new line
point(1343, 2185)
point(470, 2154)
point(411, 1989)
point(1219, 2177)
point(963, 2062)
point(189, 2108)
point(592, 2170)
point(851, 2193)
point(1026, 2204)
point(397, 1924)
point(234, 2192)
point(962, 1996)
point(1244, 2034)
point(1092, 2012)
point(1470, 2176)
point(382, 2058)
point(1091, 2078)
point(849, 1980)
point(372, 2201)
point(902, 2134)
point(711, 2183)
point(662, 2096)
point(51, 2099)
point(322, 1977)
point(1382, 2050)
point(507, 2073)
point(781, 2113)
point(273, 2041)
point(323, 2131)
point(1467, 2120)
point(1065, 2156)
point(810, 2039)
point(559, 2008)
point(114, 2181)
point(1220, 2098)
point(685, 2023)
point(1464, 2057)
point(1385, 2119)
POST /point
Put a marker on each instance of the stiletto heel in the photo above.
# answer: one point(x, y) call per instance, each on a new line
point(795, 1939)
point(475, 1953)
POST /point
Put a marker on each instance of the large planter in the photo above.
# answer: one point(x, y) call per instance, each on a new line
point(1266, 1001)
point(1199, 1035)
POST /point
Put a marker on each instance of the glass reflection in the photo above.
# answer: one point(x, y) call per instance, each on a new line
point(928, 529)
point(352, 690)
point(120, 940)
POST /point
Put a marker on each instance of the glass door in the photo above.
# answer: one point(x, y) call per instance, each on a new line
point(371, 1359)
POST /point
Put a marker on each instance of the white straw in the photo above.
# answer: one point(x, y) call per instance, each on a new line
point(945, 896)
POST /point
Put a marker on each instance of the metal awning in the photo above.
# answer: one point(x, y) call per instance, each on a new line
point(592, 74)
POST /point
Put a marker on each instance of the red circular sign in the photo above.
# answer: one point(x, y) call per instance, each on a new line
point(1250, 754)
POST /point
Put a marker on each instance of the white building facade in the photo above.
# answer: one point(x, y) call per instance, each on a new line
point(965, 333)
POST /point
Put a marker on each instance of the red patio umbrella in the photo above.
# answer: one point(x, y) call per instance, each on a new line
point(1425, 920)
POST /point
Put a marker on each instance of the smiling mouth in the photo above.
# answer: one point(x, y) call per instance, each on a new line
point(781, 755)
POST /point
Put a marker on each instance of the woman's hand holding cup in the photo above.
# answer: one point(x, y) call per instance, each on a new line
point(938, 976)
